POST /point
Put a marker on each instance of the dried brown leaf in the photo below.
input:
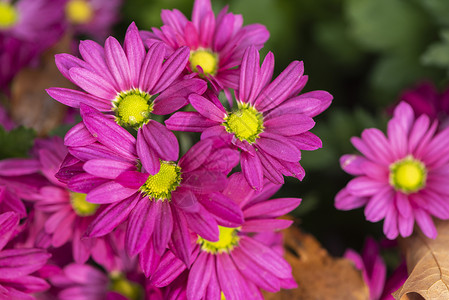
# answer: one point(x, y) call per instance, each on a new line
point(428, 265)
point(31, 106)
point(319, 276)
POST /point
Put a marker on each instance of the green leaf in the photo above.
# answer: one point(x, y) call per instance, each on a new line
point(386, 25)
point(437, 54)
point(392, 73)
point(439, 9)
point(17, 142)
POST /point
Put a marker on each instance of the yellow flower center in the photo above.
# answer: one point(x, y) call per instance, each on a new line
point(81, 207)
point(79, 11)
point(208, 61)
point(227, 240)
point(131, 290)
point(408, 175)
point(160, 185)
point(8, 15)
point(246, 123)
point(133, 108)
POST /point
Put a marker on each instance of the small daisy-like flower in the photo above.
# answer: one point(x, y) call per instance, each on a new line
point(93, 17)
point(374, 271)
point(240, 262)
point(67, 214)
point(17, 265)
point(216, 43)
point(270, 124)
point(159, 207)
point(129, 82)
point(401, 177)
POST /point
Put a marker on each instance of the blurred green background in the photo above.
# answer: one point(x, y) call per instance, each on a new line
point(364, 52)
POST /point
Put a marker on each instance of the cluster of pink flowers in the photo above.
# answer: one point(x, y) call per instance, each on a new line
point(164, 189)
point(30, 27)
point(118, 210)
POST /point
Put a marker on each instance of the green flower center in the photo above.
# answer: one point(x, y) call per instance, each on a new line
point(408, 175)
point(246, 123)
point(8, 15)
point(161, 185)
point(131, 290)
point(227, 240)
point(133, 108)
point(81, 207)
point(208, 61)
point(79, 11)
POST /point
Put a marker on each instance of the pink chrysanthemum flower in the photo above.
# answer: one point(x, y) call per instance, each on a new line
point(159, 208)
point(216, 43)
point(401, 177)
point(17, 265)
point(92, 17)
point(239, 263)
point(374, 271)
point(270, 124)
point(67, 214)
point(130, 82)
point(37, 21)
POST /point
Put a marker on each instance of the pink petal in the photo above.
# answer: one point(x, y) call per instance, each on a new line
point(93, 83)
point(226, 211)
point(109, 192)
point(163, 226)
point(363, 186)
point(106, 168)
point(118, 64)
point(135, 51)
point(8, 222)
point(171, 69)
point(426, 224)
point(379, 204)
point(279, 147)
point(206, 108)
point(188, 121)
point(151, 67)
point(279, 89)
point(346, 201)
point(272, 208)
point(140, 226)
point(252, 169)
point(110, 217)
point(175, 96)
point(199, 276)
point(196, 155)
point(185, 199)
point(148, 156)
point(73, 98)
point(161, 140)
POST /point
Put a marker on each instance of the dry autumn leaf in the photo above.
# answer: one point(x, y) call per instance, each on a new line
point(319, 276)
point(428, 265)
point(31, 106)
